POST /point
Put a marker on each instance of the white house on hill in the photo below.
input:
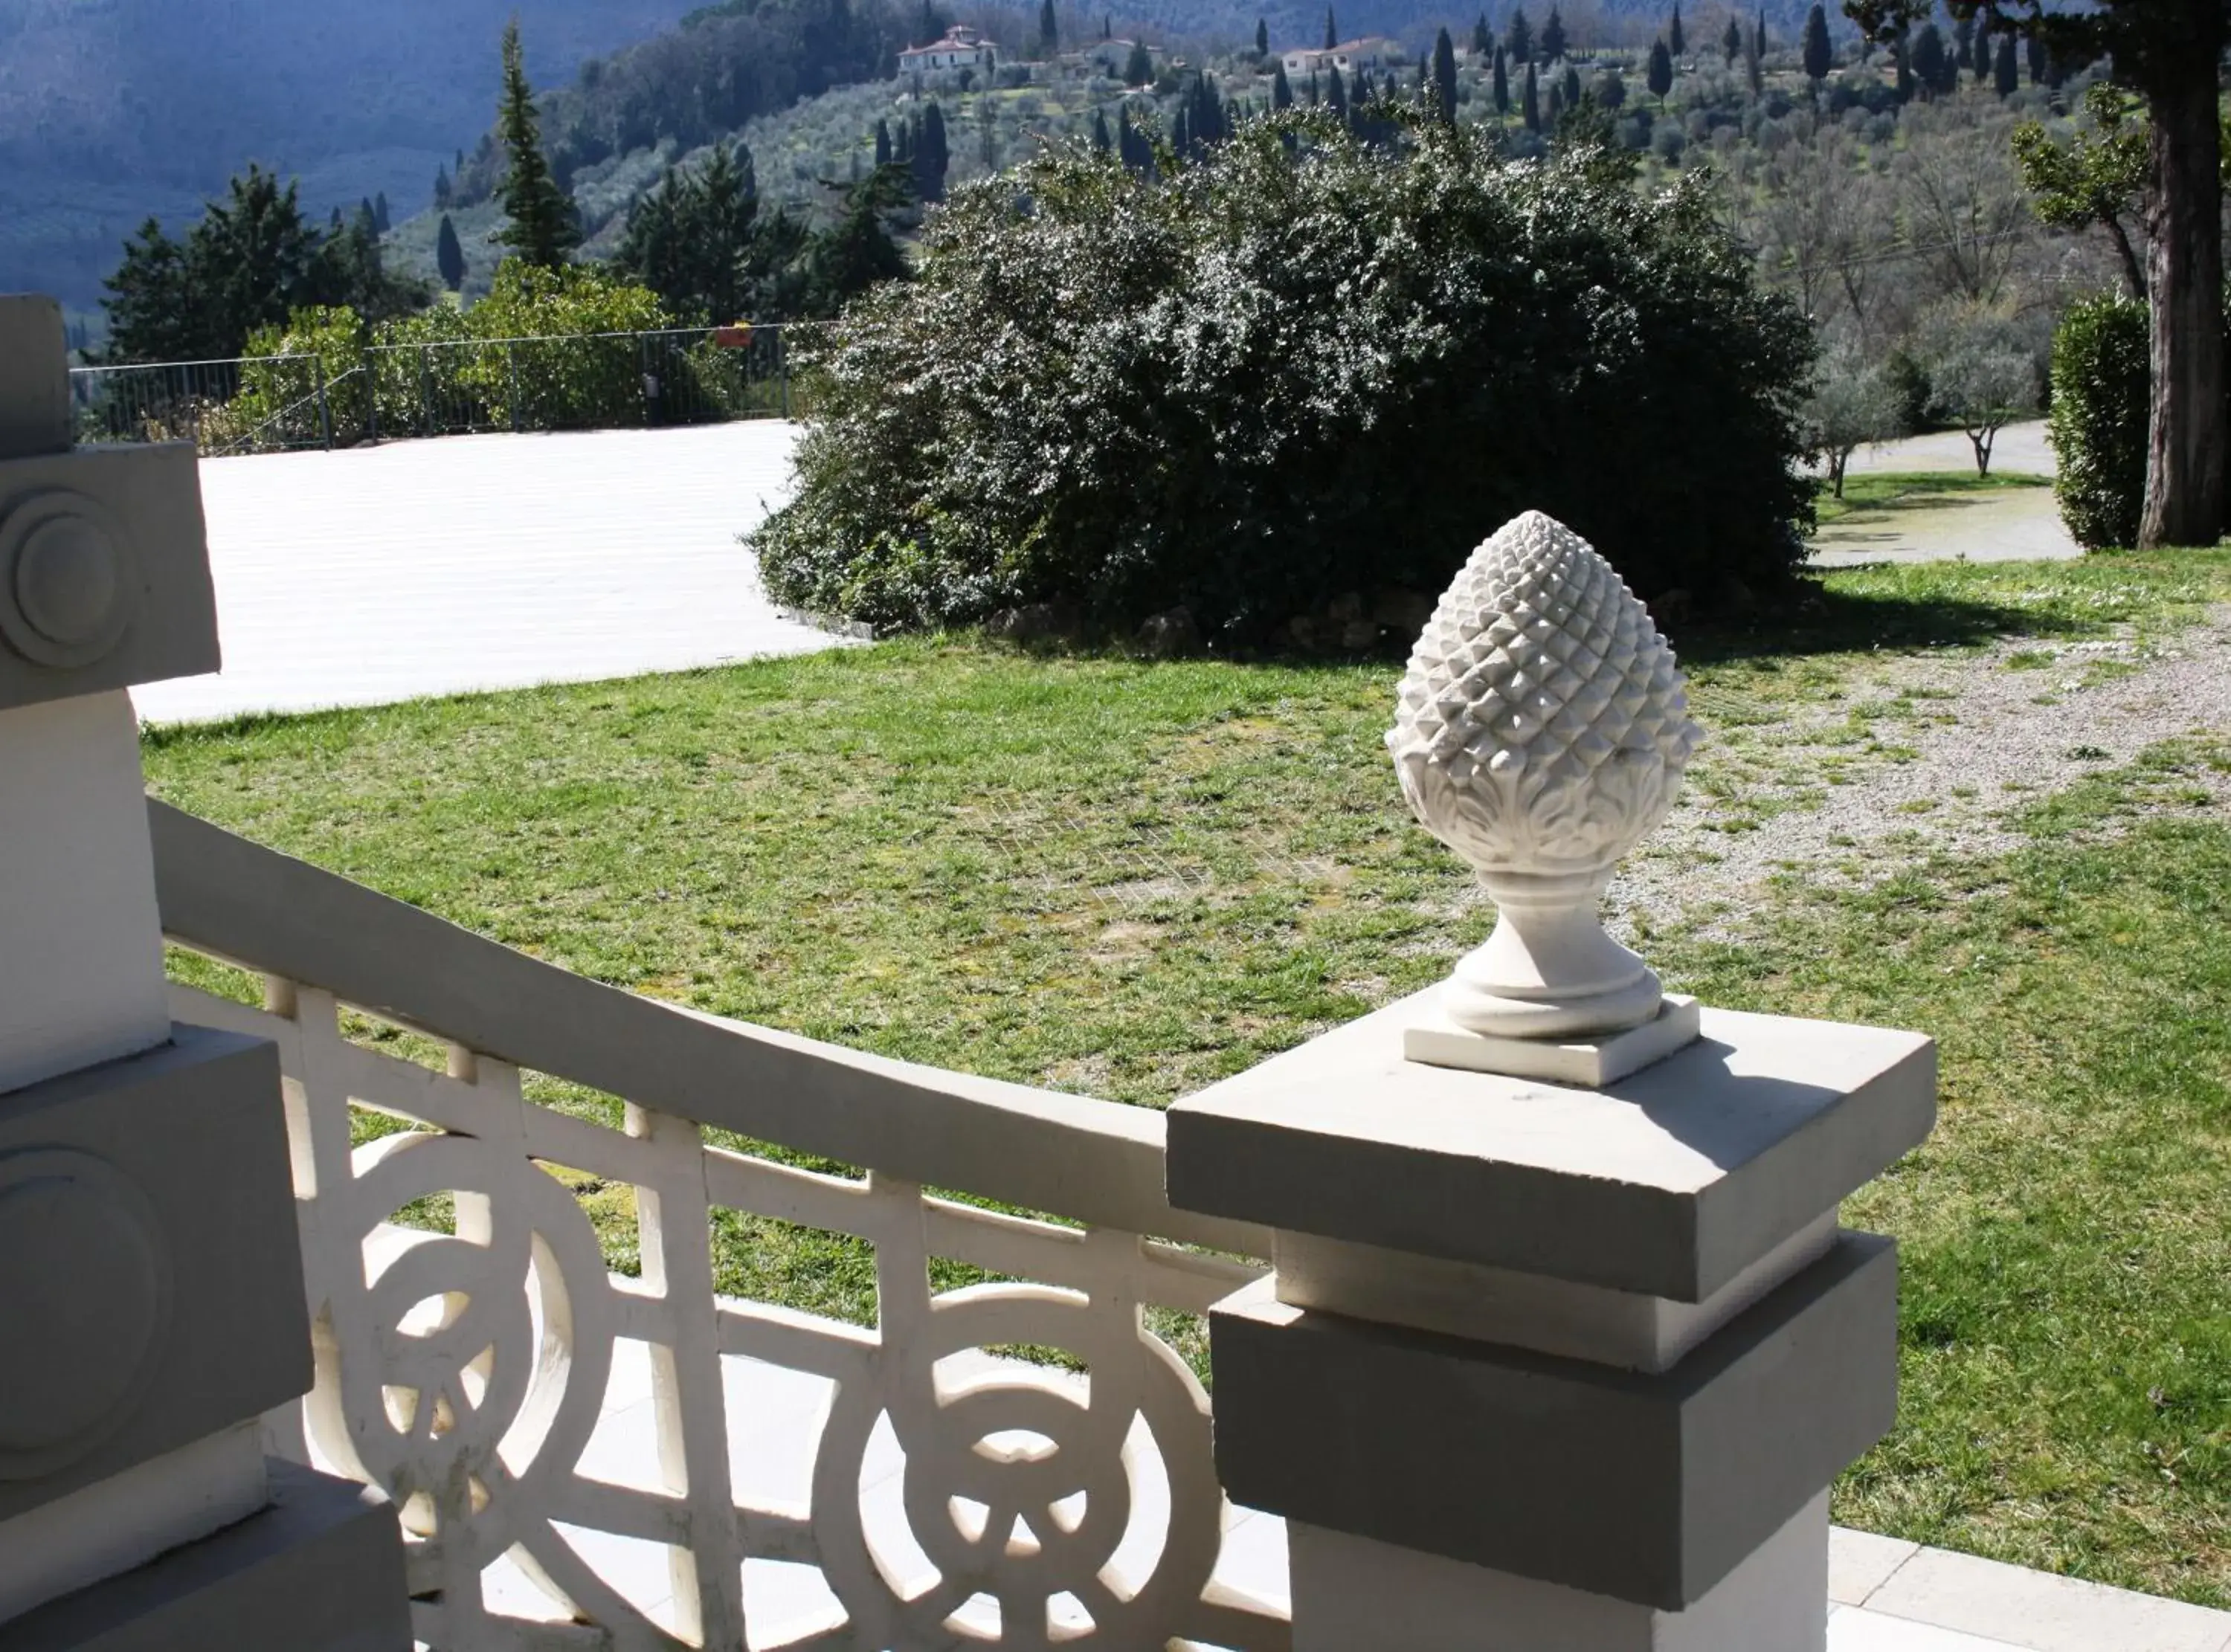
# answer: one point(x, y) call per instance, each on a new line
point(1372, 52)
point(961, 47)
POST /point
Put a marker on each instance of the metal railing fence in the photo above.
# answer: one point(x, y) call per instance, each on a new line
point(441, 387)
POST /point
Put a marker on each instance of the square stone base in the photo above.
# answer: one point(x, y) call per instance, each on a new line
point(1586, 1063)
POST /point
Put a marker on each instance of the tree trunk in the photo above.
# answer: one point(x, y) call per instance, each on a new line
point(2185, 424)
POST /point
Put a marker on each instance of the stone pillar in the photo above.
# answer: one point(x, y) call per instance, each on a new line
point(1564, 1344)
point(150, 1292)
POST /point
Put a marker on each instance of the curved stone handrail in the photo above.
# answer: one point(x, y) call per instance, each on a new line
point(468, 1370)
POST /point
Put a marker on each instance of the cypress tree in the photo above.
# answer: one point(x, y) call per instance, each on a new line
point(1101, 141)
point(1932, 67)
point(442, 189)
point(541, 227)
point(1904, 47)
point(2040, 63)
point(380, 213)
point(1139, 67)
point(1262, 38)
point(1445, 76)
point(1483, 38)
point(1332, 34)
point(1755, 56)
point(1964, 42)
point(1571, 87)
point(1049, 30)
point(2002, 70)
point(1978, 58)
point(1182, 135)
point(931, 157)
point(1817, 55)
point(1106, 26)
point(1660, 78)
point(1282, 90)
point(1336, 98)
point(1731, 40)
point(883, 141)
point(450, 255)
point(1552, 37)
point(1529, 105)
point(1518, 37)
point(1676, 42)
point(1502, 83)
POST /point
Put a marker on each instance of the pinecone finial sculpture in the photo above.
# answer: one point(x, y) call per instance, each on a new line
point(1541, 732)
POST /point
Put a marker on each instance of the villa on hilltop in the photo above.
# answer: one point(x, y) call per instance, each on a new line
point(1371, 52)
point(961, 48)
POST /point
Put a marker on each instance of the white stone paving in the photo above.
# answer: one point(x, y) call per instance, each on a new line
point(1885, 1596)
point(381, 574)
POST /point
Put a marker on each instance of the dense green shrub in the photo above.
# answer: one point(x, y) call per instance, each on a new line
point(2100, 381)
point(1289, 374)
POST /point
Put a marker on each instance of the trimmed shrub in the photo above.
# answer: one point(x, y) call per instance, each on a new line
point(2100, 384)
point(1281, 376)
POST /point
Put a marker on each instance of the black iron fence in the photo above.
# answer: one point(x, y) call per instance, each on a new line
point(441, 387)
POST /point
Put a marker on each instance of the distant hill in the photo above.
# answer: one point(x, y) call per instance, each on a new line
point(113, 109)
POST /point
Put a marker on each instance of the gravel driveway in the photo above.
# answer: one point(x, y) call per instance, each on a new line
point(1961, 742)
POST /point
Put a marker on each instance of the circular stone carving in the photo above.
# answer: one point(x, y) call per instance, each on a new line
point(66, 585)
point(85, 1290)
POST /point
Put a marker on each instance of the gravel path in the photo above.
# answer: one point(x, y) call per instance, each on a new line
point(1954, 743)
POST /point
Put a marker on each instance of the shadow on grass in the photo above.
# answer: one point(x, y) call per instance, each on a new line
point(1824, 620)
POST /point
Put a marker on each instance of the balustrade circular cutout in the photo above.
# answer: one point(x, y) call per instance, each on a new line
point(66, 586)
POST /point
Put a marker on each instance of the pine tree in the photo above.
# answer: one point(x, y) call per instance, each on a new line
point(1552, 37)
point(1518, 37)
point(1818, 57)
point(1444, 77)
point(1049, 31)
point(1529, 105)
point(1660, 78)
point(450, 255)
point(2003, 71)
point(541, 226)
point(883, 141)
point(1732, 42)
point(1282, 90)
point(1139, 67)
point(1262, 38)
point(1332, 34)
point(1676, 42)
point(1502, 83)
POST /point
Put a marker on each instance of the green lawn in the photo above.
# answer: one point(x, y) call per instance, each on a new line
point(1876, 493)
point(1131, 880)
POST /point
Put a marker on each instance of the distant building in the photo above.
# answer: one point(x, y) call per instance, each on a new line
point(1372, 52)
point(961, 47)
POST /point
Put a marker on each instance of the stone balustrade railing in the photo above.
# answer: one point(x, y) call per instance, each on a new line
point(464, 1373)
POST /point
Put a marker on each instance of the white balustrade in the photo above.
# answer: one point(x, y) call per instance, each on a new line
point(465, 1372)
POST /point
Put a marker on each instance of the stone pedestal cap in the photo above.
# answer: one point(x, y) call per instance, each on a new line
point(1669, 1183)
point(104, 570)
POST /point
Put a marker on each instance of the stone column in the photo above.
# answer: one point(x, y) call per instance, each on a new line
point(1564, 1344)
point(151, 1292)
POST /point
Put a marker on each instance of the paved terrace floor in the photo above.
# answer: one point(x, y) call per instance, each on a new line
point(380, 574)
point(1885, 1596)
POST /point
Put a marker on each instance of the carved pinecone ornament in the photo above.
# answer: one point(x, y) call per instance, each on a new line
point(1542, 728)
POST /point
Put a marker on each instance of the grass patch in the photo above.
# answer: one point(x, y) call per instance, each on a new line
point(1132, 879)
point(1879, 495)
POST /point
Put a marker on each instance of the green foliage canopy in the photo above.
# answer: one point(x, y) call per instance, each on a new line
point(1283, 375)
